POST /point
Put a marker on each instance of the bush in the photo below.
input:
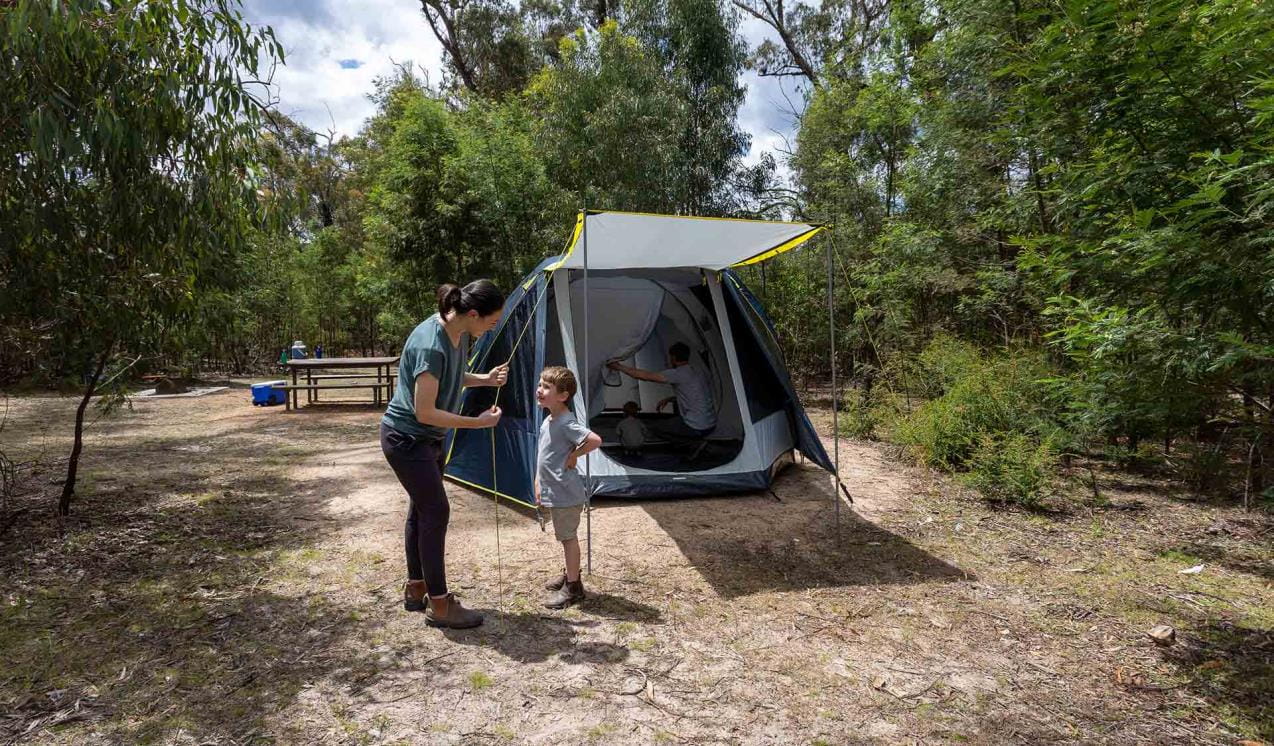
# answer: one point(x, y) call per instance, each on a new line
point(857, 417)
point(1200, 465)
point(976, 393)
point(1012, 467)
point(991, 415)
point(940, 433)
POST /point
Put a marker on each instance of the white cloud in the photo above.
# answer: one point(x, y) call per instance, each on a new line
point(314, 86)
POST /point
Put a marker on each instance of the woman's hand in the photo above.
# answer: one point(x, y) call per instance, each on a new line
point(489, 418)
point(498, 375)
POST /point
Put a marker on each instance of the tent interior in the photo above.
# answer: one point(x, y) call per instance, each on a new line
point(635, 317)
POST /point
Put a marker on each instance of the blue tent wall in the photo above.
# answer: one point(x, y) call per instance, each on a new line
point(470, 452)
point(762, 330)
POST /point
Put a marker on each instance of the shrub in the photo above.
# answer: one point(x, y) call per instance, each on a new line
point(1200, 465)
point(1012, 467)
point(857, 417)
point(992, 415)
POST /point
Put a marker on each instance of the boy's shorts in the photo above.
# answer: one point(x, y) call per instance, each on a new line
point(566, 521)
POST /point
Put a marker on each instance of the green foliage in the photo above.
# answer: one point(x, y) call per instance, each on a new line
point(1012, 467)
point(1094, 178)
point(126, 188)
point(857, 417)
point(991, 416)
point(611, 130)
point(642, 114)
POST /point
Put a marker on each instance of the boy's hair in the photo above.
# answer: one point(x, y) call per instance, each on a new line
point(561, 379)
point(631, 407)
point(679, 352)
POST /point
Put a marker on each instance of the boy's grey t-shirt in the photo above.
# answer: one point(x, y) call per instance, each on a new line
point(427, 349)
point(694, 398)
point(560, 487)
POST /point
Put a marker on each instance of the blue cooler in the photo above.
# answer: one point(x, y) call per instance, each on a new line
point(264, 394)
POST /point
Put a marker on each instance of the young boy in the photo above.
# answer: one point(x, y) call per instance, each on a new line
point(558, 485)
point(632, 434)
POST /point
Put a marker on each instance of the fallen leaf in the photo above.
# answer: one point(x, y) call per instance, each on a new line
point(1191, 570)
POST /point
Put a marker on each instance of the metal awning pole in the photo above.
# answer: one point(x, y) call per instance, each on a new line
point(831, 333)
point(588, 460)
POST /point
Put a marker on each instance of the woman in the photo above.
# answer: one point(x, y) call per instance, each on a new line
point(425, 405)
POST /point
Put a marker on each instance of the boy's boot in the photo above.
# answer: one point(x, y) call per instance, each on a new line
point(447, 612)
point(414, 595)
point(569, 593)
point(556, 583)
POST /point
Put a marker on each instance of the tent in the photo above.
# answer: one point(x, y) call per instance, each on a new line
point(627, 287)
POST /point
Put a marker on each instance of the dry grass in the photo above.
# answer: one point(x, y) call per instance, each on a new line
point(232, 576)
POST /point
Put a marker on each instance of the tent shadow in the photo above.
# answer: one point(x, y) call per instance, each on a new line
point(756, 544)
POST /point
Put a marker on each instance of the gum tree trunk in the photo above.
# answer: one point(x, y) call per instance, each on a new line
point(68, 487)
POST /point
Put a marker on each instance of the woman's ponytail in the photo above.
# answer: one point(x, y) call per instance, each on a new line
point(449, 297)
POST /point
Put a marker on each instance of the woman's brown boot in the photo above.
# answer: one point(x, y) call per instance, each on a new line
point(447, 612)
point(414, 593)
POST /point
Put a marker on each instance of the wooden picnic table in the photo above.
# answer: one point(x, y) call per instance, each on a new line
point(384, 376)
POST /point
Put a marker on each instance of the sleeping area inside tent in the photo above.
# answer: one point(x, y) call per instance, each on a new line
point(636, 318)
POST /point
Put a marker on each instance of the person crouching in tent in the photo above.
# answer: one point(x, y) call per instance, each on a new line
point(693, 396)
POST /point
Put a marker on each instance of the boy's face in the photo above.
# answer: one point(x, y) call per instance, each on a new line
point(547, 395)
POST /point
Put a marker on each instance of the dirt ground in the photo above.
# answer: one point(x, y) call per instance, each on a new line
point(232, 575)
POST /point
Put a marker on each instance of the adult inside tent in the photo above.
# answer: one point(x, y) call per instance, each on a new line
point(628, 287)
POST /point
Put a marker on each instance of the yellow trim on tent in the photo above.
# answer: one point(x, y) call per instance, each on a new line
point(488, 490)
point(570, 246)
point(785, 246)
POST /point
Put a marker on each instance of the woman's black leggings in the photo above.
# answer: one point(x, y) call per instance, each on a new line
point(419, 464)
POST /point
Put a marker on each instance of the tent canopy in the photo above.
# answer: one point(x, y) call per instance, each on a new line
point(631, 240)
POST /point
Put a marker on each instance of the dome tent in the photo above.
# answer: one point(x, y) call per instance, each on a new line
point(627, 287)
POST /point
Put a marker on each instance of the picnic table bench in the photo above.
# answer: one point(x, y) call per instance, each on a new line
point(316, 382)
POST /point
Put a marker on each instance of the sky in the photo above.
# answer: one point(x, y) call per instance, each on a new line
point(335, 49)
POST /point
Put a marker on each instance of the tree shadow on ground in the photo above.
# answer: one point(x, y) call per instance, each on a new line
point(153, 614)
point(1231, 667)
point(755, 543)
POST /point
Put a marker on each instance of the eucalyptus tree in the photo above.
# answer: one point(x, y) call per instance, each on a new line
point(126, 174)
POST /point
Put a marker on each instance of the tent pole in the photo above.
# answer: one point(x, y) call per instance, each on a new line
point(588, 461)
point(831, 334)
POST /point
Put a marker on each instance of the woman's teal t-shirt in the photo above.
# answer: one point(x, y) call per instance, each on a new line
point(427, 349)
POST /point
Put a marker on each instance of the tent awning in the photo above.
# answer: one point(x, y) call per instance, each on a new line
point(630, 240)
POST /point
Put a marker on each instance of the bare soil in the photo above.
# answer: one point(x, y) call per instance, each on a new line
point(233, 575)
